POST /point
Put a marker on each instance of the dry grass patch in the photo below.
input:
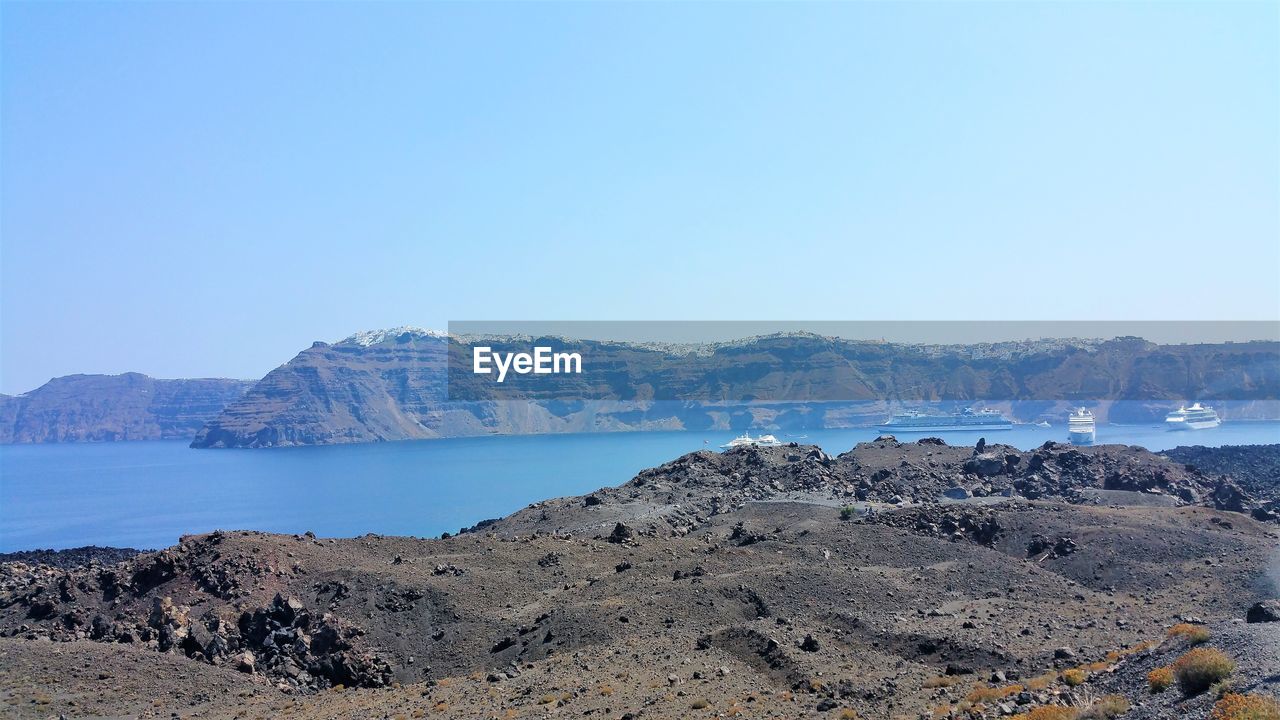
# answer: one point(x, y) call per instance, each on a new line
point(1117, 655)
point(1042, 682)
point(1234, 706)
point(1160, 679)
point(1200, 668)
point(1189, 633)
point(1047, 712)
point(1075, 676)
point(699, 704)
point(984, 695)
point(941, 681)
point(1107, 707)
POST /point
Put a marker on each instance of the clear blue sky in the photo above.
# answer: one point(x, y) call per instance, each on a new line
point(204, 189)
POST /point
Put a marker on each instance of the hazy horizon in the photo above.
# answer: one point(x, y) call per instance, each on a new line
point(202, 190)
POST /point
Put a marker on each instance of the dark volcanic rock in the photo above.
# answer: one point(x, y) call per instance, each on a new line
point(1264, 612)
point(1255, 468)
point(72, 557)
point(862, 613)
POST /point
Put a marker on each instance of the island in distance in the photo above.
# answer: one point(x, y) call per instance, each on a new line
point(102, 408)
point(897, 580)
point(392, 385)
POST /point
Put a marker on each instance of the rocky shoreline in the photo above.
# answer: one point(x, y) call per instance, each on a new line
point(891, 580)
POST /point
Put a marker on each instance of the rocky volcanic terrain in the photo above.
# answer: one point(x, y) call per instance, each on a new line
point(897, 580)
point(100, 408)
point(392, 385)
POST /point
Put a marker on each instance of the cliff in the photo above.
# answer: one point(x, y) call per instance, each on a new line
point(98, 408)
point(393, 385)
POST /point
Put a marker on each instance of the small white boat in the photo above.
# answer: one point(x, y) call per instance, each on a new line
point(1081, 429)
point(1196, 417)
point(1042, 423)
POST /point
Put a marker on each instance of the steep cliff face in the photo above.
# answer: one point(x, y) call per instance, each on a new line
point(95, 408)
point(392, 385)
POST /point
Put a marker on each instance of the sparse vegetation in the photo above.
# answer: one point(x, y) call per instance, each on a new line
point(848, 512)
point(940, 681)
point(700, 704)
point(1105, 708)
point(1047, 712)
point(983, 695)
point(1235, 706)
point(1041, 682)
point(1160, 679)
point(1189, 633)
point(1200, 668)
point(1117, 655)
point(847, 714)
point(1075, 676)
point(1222, 688)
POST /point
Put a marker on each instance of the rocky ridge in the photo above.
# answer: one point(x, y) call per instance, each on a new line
point(102, 408)
point(392, 385)
point(783, 579)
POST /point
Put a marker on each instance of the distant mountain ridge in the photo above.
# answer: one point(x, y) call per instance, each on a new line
point(99, 408)
point(392, 385)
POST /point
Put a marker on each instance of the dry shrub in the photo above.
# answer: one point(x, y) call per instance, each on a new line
point(847, 714)
point(940, 682)
point(1160, 679)
point(1042, 682)
point(1191, 634)
point(983, 695)
point(1200, 668)
point(1106, 708)
point(1075, 676)
point(1234, 706)
point(700, 705)
point(1117, 655)
point(1047, 712)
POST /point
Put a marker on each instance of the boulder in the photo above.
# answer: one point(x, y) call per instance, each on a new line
point(621, 534)
point(1264, 612)
point(985, 464)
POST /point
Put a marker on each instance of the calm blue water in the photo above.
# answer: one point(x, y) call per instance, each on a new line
point(147, 494)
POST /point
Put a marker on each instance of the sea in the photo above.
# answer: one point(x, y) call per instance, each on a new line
point(148, 494)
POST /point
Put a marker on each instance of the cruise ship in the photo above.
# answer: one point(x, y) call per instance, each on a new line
point(745, 439)
point(1080, 427)
point(1196, 417)
point(969, 419)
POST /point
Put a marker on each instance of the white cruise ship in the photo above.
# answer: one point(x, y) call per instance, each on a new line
point(912, 421)
point(1196, 417)
point(745, 439)
point(1081, 429)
